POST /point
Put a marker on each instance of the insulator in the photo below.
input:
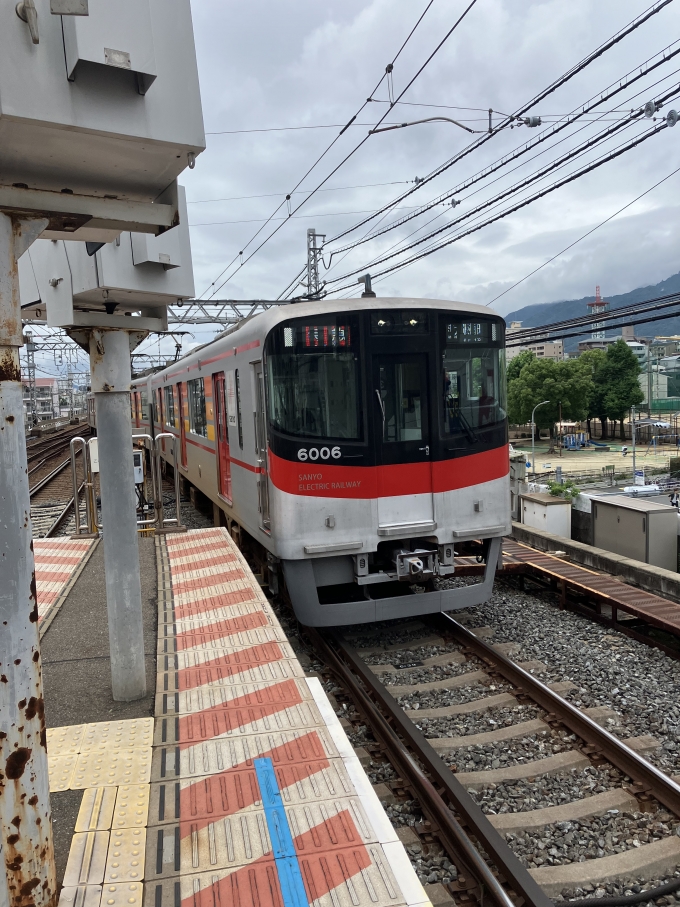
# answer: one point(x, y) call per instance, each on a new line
point(650, 109)
point(671, 118)
point(532, 121)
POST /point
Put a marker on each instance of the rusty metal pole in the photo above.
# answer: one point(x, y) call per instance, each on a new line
point(111, 377)
point(25, 816)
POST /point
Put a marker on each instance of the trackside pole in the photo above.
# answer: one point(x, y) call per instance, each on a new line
point(111, 377)
point(27, 876)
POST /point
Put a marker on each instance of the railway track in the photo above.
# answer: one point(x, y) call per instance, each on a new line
point(430, 705)
point(51, 493)
point(54, 444)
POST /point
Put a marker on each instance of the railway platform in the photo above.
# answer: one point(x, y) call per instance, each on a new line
point(233, 782)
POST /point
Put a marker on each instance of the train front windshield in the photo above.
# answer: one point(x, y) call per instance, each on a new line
point(313, 380)
point(394, 385)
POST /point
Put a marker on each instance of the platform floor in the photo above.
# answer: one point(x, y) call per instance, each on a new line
point(58, 564)
point(244, 790)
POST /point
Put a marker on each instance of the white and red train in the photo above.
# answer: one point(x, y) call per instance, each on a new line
point(353, 444)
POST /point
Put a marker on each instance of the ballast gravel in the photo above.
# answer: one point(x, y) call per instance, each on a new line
point(413, 654)
point(431, 867)
point(478, 722)
point(434, 699)
point(547, 790)
point(640, 683)
point(427, 675)
point(530, 748)
point(592, 838)
point(626, 888)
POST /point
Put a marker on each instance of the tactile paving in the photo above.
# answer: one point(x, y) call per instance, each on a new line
point(61, 770)
point(97, 768)
point(132, 806)
point(117, 735)
point(62, 741)
point(86, 859)
point(82, 896)
point(96, 809)
point(257, 798)
point(124, 894)
point(125, 860)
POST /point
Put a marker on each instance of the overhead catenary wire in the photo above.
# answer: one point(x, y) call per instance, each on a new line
point(524, 108)
point(585, 235)
point(515, 207)
point(365, 139)
point(240, 198)
point(611, 91)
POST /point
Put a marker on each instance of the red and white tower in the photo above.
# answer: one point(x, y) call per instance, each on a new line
point(597, 308)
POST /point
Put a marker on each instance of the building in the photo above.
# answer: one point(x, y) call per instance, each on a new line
point(543, 349)
point(45, 402)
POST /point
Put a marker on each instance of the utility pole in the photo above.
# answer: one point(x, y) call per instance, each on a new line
point(314, 285)
point(31, 347)
point(25, 817)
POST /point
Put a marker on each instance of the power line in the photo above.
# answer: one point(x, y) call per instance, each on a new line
point(315, 164)
point(585, 235)
point(557, 83)
point(615, 88)
point(517, 206)
point(239, 198)
point(258, 220)
point(365, 139)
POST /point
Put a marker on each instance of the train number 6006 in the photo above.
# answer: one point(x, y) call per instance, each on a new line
point(314, 453)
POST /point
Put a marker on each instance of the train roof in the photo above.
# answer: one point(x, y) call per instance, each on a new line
point(257, 327)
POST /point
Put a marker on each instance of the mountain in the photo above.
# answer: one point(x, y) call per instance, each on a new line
point(548, 312)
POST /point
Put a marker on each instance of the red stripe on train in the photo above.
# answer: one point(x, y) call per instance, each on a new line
point(324, 480)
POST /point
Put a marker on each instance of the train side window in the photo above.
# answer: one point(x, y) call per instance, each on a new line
point(145, 406)
point(169, 407)
point(239, 412)
point(197, 416)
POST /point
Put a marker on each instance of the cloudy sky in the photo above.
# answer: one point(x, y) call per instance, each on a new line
point(268, 66)
point(268, 69)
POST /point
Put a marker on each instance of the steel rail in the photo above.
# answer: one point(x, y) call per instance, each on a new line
point(614, 750)
point(62, 516)
point(433, 803)
point(52, 445)
point(48, 478)
point(37, 467)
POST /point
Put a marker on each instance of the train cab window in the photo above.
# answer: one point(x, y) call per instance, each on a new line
point(239, 411)
point(313, 378)
point(197, 417)
point(145, 406)
point(473, 376)
point(169, 407)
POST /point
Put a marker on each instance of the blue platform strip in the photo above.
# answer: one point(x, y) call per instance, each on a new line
point(287, 866)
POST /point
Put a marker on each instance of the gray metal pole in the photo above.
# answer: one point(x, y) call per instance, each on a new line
point(110, 367)
point(25, 815)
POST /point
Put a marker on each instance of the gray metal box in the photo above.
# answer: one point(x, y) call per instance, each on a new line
point(105, 38)
point(97, 135)
point(637, 528)
point(64, 278)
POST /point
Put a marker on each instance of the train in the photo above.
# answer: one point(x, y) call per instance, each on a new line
point(351, 447)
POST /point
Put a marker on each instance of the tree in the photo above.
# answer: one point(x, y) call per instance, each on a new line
point(562, 383)
point(619, 382)
point(516, 365)
point(592, 362)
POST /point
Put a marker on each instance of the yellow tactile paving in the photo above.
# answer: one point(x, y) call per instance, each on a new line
point(87, 859)
point(61, 771)
point(117, 735)
point(96, 809)
point(125, 894)
point(82, 896)
point(132, 806)
point(63, 740)
point(112, 768)
point(125, 860)
point(111, 761)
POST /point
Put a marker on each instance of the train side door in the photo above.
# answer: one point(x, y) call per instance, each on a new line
point(182, 426)
point(222, 432)
point(261, 449)
point(400, 399)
